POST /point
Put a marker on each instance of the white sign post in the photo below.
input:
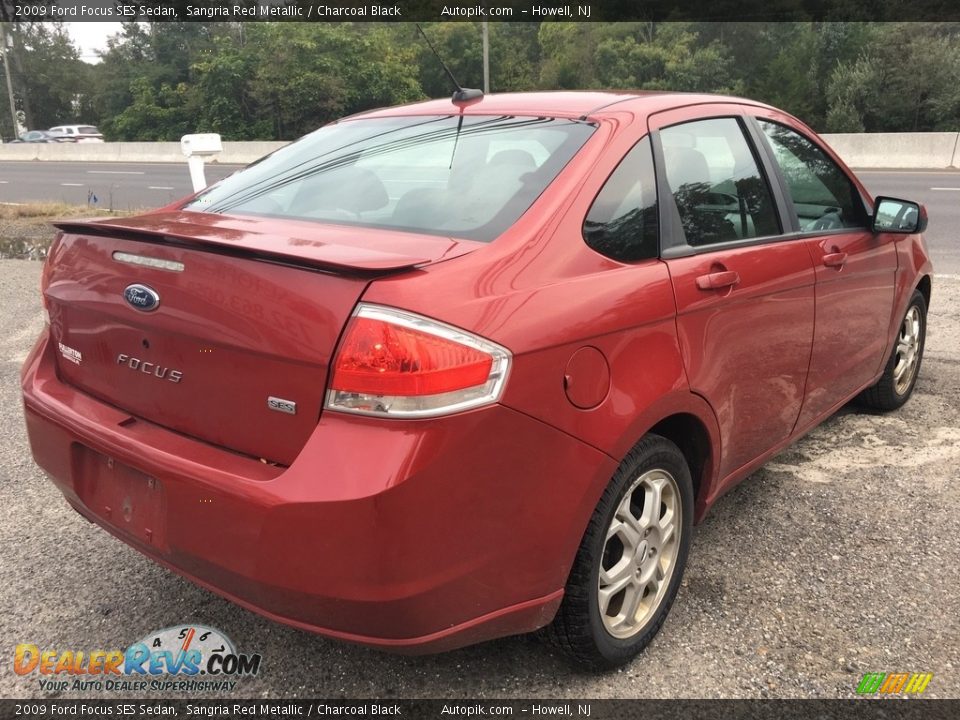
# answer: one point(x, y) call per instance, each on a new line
point(197, 148)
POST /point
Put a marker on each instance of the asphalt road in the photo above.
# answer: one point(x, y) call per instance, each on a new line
point(117, 186)
point(838, 557)
point(124, 186)
point(940, 192)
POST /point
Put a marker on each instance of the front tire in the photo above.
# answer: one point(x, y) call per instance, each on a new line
point(900, 374)
point(628, 569)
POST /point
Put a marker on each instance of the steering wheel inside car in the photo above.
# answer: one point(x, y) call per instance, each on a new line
point(830, 220)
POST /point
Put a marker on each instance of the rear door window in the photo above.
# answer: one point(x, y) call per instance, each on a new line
point(720, 192)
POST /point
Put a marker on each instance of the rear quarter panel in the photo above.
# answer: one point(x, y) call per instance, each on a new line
point(542, 293)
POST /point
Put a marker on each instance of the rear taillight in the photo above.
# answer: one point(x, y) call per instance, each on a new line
point(397, 364)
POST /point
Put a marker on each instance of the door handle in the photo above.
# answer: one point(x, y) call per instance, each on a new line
point(718, 280)
point(835, 259)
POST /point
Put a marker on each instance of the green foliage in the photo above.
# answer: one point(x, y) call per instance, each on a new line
point(852, 95)
point(909, 82)
point(567, 52)
point(514, 57)
point(141, 89)
point(158, 81)
point(47, 94)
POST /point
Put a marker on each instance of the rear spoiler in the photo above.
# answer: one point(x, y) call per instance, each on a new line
point(240, 242)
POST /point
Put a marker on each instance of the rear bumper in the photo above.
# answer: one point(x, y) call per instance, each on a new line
point(417, 536)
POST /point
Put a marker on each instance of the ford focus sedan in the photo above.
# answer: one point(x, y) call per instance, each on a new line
point(458, 370)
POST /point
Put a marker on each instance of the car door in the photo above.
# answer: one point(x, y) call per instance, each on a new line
point(855, 268)
point(744, 291)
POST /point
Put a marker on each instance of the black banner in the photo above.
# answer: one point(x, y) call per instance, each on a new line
point(472, 10)
point(859, 709)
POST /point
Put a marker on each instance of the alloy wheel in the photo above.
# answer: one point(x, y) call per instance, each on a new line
point(908, 350)
point(639, 554)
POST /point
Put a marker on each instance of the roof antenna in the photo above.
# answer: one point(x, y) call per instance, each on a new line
point(462, 94)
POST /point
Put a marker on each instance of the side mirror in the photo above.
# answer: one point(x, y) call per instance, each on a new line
point(892, 215)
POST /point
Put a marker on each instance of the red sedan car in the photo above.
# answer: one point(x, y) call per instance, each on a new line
point(457, 370)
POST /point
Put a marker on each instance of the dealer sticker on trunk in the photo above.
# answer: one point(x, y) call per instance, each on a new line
point(70, 354)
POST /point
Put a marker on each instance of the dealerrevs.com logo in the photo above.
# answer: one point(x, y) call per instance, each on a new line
point(185, 658)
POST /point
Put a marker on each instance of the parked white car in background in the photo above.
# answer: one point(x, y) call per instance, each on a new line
point(78, 133)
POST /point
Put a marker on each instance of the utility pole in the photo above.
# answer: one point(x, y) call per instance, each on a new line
point(5, 53)
point(486, 58)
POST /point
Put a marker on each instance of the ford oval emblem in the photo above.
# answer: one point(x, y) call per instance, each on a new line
point(141, 297)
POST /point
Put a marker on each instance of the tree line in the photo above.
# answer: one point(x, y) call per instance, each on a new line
point(259, 81)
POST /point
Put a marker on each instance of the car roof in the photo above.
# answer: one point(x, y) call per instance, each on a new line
point(572, 104)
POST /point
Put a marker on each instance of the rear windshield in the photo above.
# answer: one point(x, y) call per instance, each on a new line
point(460, 176)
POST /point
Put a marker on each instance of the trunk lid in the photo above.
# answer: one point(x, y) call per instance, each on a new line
point(221, 328)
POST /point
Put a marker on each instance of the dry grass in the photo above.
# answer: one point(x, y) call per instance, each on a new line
point(25, 230)
point(46, 211)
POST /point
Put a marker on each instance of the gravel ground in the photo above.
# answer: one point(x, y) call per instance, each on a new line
point(24, 239)
point(839, 557)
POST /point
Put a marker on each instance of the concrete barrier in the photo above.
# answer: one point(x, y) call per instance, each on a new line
point(18, 152)
point(234, 153)
point(246, 152)
point(922, 151)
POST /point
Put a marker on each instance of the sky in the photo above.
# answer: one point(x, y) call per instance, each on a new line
point(91, 36)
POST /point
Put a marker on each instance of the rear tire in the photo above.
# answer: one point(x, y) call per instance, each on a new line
point(899, 377)
point(628, 569)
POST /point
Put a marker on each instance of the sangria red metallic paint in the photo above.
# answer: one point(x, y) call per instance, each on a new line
point(428, 531)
